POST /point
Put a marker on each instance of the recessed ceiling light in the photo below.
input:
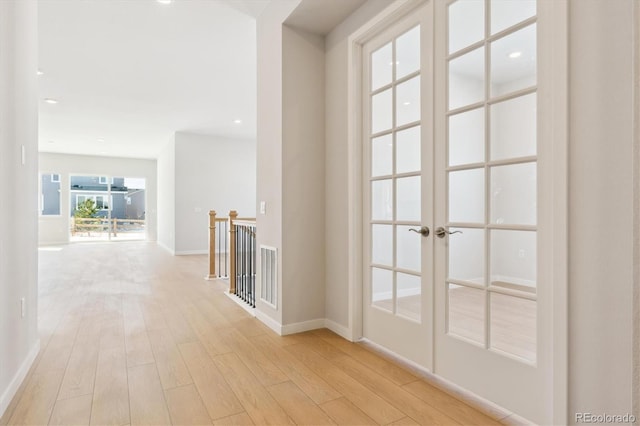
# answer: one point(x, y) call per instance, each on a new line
point(39, 72)
point(237, 121)
point(165, 1)
point(100, 140)
point(514, 55)
point(51, 101)
point(406, 103)
point(102, 152)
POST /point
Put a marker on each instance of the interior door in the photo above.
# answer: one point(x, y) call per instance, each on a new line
point(398, 170)
point(487, 337)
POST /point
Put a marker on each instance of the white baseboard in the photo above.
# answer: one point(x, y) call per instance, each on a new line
point(303, 326)
point(241, 303)
point(482, 404)
point(19, 377)
point(53, 243)
point(339, 329)
point(161, 244)
point(269, 322)
point(299, 327)
point(190, 252)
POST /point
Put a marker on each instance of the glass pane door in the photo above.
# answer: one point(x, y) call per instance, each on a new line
point(487, 338)
point(491, 176)
point(90, 208)
point(128, 214)
point(396, 133)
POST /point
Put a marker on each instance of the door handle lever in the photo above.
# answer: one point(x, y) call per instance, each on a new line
point(424, 231)
point(441, 232)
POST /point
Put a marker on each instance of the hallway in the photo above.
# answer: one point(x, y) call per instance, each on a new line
point(132, 335)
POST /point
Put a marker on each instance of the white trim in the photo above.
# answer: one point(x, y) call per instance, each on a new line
point(299, 327)
point(190, 252)
point(241, 303)
point(355, 46)
point(18, 378)
point(636, 214)
point(162, 245)
point(269, 322)
point(388, 295)
point(339, 329)
point(449, 387)
point(556, 14)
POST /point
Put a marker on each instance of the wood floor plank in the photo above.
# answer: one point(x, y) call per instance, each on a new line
point(171, 367)
point(384, 367)
point(186, 407)
point(148, 406)
point(297, 405)
point(179, 327)
point(38, 399)
point(58, 350)
point(258, 403)
point(110, 404)
point(314, 386)
point(371, 403)
point(217, 396)
point(136, 339)
point(322, 347)
point(407, 421)
point(72, 411)
point(235, 420)
point(251, 327)
point(138, 349)
point(160, 343)
point(259, 364)
point(406, 402)
point(343, 412)
point(452, 406)
point(79, 378)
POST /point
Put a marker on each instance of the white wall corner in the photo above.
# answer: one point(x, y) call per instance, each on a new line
point(269, 322)
point(340, 330)
point(299, 327)
point(18, 378)
point(164, 246)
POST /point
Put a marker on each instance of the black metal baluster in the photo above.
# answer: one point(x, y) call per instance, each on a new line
point(253, 266)
point(237, 237)
point(225, 249)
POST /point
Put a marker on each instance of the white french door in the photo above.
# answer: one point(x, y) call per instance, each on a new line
point(487, 337)
point(451, 149)
point(398, 169)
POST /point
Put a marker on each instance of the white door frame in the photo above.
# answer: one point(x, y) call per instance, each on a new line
point(553, 42)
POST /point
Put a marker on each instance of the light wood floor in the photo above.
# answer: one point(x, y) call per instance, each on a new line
point(132, 335)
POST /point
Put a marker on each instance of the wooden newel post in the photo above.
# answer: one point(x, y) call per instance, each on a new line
point(232, 248)
point(212, 245)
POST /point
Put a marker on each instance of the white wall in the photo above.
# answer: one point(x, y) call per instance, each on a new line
point(601, 206)
point(166, 172)
point(55, 229)
point(19, 341)
point(303, 180)
point(211, 173)
point(269, 143)
point(337, 244)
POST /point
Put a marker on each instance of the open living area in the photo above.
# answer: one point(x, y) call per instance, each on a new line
point(353, 212)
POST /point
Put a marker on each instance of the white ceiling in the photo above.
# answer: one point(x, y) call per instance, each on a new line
point(321, 16)
point(128, 74)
